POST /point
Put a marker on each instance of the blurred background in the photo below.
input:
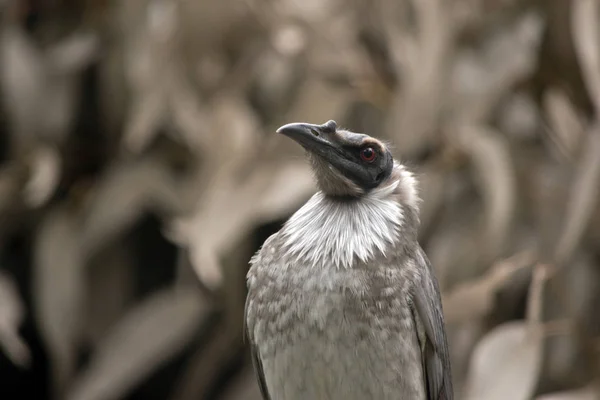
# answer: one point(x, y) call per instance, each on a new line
point(139, 172)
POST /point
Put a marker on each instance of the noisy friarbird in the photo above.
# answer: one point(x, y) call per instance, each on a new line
point(342, 302)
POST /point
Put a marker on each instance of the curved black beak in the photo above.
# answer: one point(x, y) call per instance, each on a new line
point(312, 137)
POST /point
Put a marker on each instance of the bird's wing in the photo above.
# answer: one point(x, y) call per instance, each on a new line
point(436, 360)
point(256, 362)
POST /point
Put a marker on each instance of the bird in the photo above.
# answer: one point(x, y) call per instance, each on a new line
point(342, 302)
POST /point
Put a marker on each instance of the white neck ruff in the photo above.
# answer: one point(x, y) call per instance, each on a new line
point(330, 231)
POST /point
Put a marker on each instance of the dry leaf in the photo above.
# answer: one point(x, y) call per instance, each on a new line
point(111, 290)
point(480, 79)
point(143, 340)
point(415, 110)
point(505, 364)
point(12, 312)
point(566, 123)
point(227, 212)
point(22, 78)
point(243, 388)
point(318, 102)
point(232, 114)
point(519, 117)
point(311, 11)
point(583, 198)
point(59, 285)
point(73, 53)
point(431, 188)
point(586, 38)
point(144, 120)
point(45, 174)
point(291, 184)
point(589, 392)
point(535, 299)
point(147, 71)
point(473, 300)
point(40, 88)
point(495, 176)
point(453, 244)
point(12, 177)
point(205, 364)
point(190, 118)
point(125, 193)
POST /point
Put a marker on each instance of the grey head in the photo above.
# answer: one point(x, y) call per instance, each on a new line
point(345, 163)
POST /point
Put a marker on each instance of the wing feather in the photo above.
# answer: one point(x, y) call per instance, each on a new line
point(428, 308)
point(256, 362)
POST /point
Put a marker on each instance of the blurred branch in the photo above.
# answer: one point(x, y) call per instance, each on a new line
point(583, 198)
point(495, 176)
point(586, 37)
point(12, 312)
point(59, 287)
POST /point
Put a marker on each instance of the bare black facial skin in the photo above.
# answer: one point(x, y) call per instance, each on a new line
point(363, 160)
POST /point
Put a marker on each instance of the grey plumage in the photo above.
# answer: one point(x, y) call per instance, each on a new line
point(342, 301)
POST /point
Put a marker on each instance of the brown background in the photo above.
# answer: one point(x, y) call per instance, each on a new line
point(139, 171)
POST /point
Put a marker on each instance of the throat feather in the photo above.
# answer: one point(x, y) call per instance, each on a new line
point(330, 231)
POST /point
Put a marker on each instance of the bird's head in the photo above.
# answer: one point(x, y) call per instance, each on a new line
point(345, 163)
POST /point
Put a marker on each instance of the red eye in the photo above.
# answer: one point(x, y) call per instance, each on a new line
point(368, 154)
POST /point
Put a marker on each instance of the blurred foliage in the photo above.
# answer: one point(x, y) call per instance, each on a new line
point(139, 171)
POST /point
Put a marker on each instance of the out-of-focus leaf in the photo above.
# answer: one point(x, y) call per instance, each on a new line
point(463, 339)
point(22, 79)
point(313, 11)
point(205, 364)
point(45, 173)
point(225, 212)
point(11, 182)
point(473, 300)
point(535, 299)
point(230, 113)
point(583, 198)
point(125, 193)
point(586, 38)
point(57, 108)
point(145, 338)
point(190, 117)
point(566, 123)
point(479, 79)
point(73, 53)
point(415, 110)
point(519, 117)
point(244, 388)
point(319, 101)
point(494, 171)
point(59, 286)
point(589, 392)
point(431, 188)
point(572, 292)
point(158, 80)
point(11, 316)
point(146, 115)
point(453, 244)
point(40, 88)
point(505, 364)
point(146, 69)
point(278, 73)
point(232, 208)
point(291, 184)
point(109, 271)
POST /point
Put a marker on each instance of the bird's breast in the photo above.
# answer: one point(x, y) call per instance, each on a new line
point(342, 334)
